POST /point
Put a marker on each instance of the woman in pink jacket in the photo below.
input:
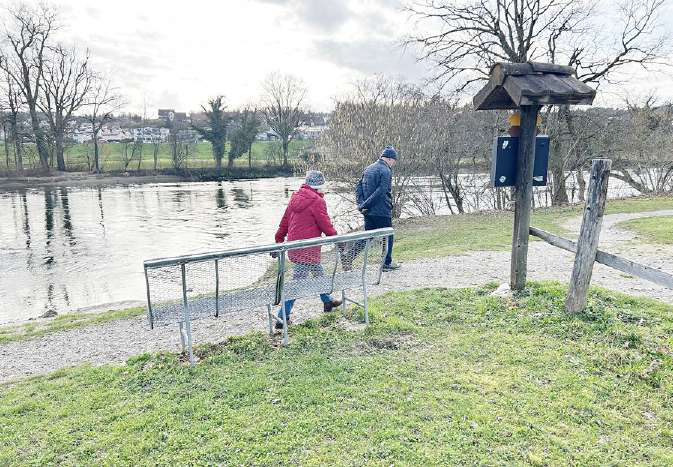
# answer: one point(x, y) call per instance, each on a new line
point(306, 217)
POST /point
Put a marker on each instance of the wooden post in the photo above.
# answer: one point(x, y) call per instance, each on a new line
point(523, 196)
point(587, 243)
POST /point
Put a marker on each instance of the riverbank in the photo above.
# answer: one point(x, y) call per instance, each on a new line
point(138, 177)
point(116, 340)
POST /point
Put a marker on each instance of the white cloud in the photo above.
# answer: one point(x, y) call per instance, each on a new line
point(177, 54)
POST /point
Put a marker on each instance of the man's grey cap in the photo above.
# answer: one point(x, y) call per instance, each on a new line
point(389, 152)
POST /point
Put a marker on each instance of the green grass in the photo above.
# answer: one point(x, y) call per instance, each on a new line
point(29, 330)
point(200, 155)
point(654, 229)
point(440, 377)
point(430, 237)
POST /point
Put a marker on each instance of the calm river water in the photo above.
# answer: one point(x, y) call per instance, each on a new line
point(68, 249)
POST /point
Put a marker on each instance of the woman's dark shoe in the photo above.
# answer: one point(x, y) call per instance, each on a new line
point(279, 324)
point(329, 306)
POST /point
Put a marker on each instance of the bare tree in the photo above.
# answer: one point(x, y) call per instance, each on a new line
point(27, 34)
point(66, 82)
point(283, 106)
point(469, 37)
point(12, 103)
point(380, 112)
point(102, 102)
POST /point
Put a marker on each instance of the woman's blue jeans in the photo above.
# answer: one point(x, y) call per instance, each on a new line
point(301, 271)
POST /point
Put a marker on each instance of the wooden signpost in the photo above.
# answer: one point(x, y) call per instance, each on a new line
point(527, 87)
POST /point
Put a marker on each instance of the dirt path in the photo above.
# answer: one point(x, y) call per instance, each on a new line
point(116, 341)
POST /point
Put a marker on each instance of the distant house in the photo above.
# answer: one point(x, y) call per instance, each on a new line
point(311, 132)
point(112, 134)
point(170, 116)
point(267, 135)
point(150, 135)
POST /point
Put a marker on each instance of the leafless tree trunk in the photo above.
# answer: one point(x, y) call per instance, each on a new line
point(155, 155)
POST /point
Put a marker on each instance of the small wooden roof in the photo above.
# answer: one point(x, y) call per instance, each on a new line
point(512, 85)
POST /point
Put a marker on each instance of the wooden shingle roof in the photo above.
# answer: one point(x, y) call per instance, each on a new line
point(512, 85)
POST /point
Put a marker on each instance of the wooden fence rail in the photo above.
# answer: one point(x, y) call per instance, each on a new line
point(608, 259)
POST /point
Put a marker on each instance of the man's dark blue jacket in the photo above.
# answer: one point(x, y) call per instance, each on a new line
point(374, 190)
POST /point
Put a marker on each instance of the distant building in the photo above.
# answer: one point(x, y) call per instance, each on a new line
point(267, 135)
point(311, 132)
point(151, 135)
point(170, 116)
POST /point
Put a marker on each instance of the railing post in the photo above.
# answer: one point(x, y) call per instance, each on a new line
point(364, 280)
point(186, 318)
point(587, 243)
point(217, 289)
point(149, 301)
point(281, 281)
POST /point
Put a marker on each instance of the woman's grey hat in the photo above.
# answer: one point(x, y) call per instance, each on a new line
point(314, 178)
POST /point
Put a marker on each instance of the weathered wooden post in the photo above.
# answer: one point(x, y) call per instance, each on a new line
point(523, 196)
point(528, 86)
point(587, 243)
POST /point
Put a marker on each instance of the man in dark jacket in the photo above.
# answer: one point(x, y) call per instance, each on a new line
point(306, 217)
point(375, 199)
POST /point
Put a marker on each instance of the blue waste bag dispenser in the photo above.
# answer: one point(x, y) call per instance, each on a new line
point(503, 164)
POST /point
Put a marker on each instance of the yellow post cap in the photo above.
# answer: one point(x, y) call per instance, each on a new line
point(515, 119)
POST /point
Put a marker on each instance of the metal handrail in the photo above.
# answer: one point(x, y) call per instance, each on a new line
point(275, 247)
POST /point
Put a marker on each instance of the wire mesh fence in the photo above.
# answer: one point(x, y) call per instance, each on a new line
point(187, 288)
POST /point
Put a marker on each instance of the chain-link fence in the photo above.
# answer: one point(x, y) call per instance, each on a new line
point(186, 288)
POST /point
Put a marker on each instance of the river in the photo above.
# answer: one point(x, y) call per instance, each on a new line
point(75, 249)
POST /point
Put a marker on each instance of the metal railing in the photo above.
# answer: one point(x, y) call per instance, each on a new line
point(184, 288)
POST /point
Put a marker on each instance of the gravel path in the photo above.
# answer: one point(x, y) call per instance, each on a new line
point(116, 341)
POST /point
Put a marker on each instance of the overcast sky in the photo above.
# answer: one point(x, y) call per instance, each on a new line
point(172, 54)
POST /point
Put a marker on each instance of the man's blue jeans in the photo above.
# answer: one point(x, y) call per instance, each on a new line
point(301, 271)
point(379, 222)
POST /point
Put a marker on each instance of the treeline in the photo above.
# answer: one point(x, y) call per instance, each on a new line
point(451, 143)
point(46, 87)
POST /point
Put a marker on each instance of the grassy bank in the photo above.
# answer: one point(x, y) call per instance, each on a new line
point(441, 376)
point(200, 156)
point(429, 237)
point(39, 328)
point(652, 229)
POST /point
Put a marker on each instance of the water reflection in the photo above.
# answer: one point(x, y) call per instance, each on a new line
point(49, 204)
point(220, 197)
point(67, 218)
point(241, 198)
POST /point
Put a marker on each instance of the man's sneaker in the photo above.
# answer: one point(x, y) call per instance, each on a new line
point(279, 324)
point(391, 267)
point(329, 306)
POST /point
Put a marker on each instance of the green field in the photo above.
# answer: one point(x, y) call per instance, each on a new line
point(652, 229)
point(200, 156)
point(440, 377)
